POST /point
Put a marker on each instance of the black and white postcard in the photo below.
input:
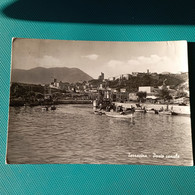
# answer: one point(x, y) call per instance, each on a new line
point(96, 102)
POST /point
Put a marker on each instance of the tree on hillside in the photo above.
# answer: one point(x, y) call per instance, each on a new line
point(20, 91)
point(165, 94)
point(39, 96)
point(141, 95)
point(31, 94)
point(146, 80)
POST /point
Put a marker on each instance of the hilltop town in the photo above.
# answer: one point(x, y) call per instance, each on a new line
point(137, 87)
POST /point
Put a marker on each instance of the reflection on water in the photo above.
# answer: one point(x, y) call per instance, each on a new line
point(72, 134)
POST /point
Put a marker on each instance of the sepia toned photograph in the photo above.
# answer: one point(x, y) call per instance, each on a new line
point(98, 102)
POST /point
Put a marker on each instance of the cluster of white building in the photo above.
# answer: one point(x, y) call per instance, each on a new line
point(134, 74)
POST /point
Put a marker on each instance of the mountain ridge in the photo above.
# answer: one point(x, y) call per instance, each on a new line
point(41, 75)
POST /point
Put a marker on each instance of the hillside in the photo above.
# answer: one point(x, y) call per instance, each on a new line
point(45, 75)
point(134, 83)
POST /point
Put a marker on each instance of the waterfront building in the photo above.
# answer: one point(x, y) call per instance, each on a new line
point(181, 100)
point(123, 90)
point(107, 94)
point(114, 90)
point(152, 93)
point(55, 84)
point(151, 98)
point(147, 89)
point(178, 100)
point(101, 86)
point(133, 97)
point(64, 86)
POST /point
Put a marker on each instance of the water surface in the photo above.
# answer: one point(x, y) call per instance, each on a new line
point(72, 134)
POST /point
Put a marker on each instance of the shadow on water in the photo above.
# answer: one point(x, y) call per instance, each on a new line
point(191, 60)
point(104, 12)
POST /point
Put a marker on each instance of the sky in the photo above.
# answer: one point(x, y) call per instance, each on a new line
point(94, 57)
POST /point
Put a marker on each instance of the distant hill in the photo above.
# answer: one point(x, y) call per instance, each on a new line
point(41, 75)
point(132, 85)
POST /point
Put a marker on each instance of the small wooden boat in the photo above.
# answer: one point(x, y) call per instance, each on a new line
point(183, 104)
point(140, 110)
point(165, 112)
point(153, 111)
point(174, 113)
point(119, 115)
point(98, 112)
point(169, 112)
point(150, 111)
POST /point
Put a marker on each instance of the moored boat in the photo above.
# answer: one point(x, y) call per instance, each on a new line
point(150, 111)
point(99, 112)
point(153, 111)
point(168, 112)
point(119, 115)
point(140, 110)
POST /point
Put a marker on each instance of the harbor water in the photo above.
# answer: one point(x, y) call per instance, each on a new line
point(72, 134)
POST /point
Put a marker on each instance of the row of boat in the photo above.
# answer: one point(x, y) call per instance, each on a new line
point(154, 111)
point(130, 114)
